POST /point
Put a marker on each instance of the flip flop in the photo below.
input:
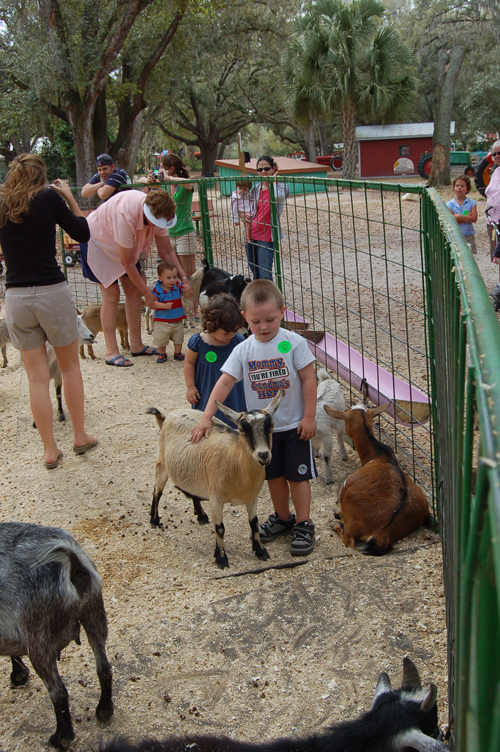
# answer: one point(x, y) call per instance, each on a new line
point(52, 465)
point(119, 361)
point(144, 350)
point(85, 447)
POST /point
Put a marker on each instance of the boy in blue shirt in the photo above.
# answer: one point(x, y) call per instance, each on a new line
point(169, 314)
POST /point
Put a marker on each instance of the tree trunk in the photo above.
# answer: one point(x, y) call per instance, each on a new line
point(349, 136)
point(130, 162)
point(100, 125)
point(311, 144)
point(323, 141)
point(452, 64)
point(80, 118)
point(208, 156)
point(220, 151)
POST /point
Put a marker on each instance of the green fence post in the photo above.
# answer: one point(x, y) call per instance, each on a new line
point(276, 235)
point(205, 221)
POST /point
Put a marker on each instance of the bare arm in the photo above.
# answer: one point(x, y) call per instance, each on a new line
point(128, 261)
point(166, 253)
point(90, 189)
point(192, 394)
point(307, 426)
point(105, 191)
point(219, 393)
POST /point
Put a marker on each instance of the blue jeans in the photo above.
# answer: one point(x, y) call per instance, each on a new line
point(260, 255)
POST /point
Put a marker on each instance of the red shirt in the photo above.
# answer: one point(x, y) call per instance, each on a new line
point(261, 223)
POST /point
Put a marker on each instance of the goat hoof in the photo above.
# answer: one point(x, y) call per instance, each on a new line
point(203, 519)
point(328, 482)
point(62, 742)
point(155, 522)
point(262, 554)
point(20, 677)
point(61, 418)
point(222, 562)
point(104, 711)
point(337, 515)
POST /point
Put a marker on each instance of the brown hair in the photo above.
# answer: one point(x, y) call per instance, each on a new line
point(244, 183)
point(26, 177)
point(261, 291)
point(172, 160)
point(222, 312)
point(161, 204)
point(465, 179)
point(164, 265)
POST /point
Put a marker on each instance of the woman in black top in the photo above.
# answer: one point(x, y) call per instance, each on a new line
point(39, 305)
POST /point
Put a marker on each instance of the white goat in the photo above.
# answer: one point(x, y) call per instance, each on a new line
point(329, 393)
point(187, 303)
point(227, 467)
point(379, 502)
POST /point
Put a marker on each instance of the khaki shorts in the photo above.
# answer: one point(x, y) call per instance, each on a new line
point(471, 240)
point(185, 245)
point(35, 315)
point(163, 332)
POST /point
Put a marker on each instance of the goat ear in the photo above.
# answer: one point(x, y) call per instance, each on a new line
point(416, 739)
point(335, 413)
point(231, 414)
point(378, 410)
point(273, 406)
point(80, 313)
point(383, 685)
point(411, 679)
point(429, 701)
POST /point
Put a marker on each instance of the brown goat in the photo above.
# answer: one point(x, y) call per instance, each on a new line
point(92, 319)
point(379, 503)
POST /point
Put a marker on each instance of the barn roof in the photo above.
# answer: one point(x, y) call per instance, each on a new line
point(400, 130)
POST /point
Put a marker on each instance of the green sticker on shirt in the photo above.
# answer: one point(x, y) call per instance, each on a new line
point(284, 346)
point(211, 356)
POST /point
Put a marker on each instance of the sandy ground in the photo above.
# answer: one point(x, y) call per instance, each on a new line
point(194, 649)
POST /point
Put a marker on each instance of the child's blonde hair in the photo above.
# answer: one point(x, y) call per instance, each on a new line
point(164, 265)
point(244, 183)
point(261, 291)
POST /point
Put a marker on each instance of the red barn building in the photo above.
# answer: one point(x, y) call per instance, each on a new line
point(380, 146)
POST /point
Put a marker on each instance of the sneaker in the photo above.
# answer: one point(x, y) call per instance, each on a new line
point(495, 297)
point(303, 539)
point(179, 356)
point(273, 526)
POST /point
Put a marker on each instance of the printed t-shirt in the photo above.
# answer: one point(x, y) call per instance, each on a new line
point(266, 367)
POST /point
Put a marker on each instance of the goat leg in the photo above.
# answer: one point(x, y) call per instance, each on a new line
point(161, 477)
point(96, 629)
point(4, 356)
point(200, 513)
point(60, 410)
point(216, 509)
point(20, 673)
point(257, 547)
point(45, 665)
point(327, 455)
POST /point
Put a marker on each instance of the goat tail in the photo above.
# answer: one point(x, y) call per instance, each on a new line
point(373, 546)
point(323, 375)
point(78, 572)
point(160, 418)
point(116, 744)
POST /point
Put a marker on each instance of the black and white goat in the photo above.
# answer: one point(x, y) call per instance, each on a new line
point(226, 467)
point(48, 588)
point(216, 281)
point(399, 719)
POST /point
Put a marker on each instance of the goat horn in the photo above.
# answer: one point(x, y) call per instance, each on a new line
point(411, 679)
point(429, 701)
point(231, 414)
point(273, 406)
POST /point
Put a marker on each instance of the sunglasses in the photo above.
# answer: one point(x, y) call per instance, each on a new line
point(267, 169)
point(495, 153)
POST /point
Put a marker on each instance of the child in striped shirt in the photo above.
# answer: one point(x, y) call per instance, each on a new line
point(169, 314)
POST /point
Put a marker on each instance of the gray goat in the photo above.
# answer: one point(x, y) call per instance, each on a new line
point(4, 338)
point(48, 588)
point(226, 467)
point(328, 394)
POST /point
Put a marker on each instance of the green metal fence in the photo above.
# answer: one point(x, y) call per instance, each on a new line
point(380, 281)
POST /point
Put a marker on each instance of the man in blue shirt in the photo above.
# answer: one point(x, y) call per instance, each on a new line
point(107, 180)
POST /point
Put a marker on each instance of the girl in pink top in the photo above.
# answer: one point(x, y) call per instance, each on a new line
point(260, 248)
point(120, 229)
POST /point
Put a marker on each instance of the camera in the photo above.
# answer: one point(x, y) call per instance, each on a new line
point(156, 174)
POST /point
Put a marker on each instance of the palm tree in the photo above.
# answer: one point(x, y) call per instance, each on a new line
point(344, 58)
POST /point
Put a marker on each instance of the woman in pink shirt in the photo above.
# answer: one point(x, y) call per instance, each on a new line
point(260, 248)
point(120, 229)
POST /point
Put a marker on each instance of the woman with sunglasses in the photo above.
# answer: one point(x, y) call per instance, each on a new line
point(260, 248)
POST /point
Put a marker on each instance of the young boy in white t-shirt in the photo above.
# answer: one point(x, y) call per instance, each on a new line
point(272, 359)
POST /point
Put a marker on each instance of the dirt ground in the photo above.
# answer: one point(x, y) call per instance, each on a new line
point(277, 652)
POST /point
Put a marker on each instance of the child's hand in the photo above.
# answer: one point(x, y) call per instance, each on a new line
point(236, 224)
point(168, 306)
point(306, 428)
point(201, 429)
point(193, 395)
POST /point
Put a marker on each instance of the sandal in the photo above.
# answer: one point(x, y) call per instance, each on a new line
point(274, 526)
point(119, 361)
point(179, 356)
point(53, 465)
point(144, 351)
point(162, 358)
